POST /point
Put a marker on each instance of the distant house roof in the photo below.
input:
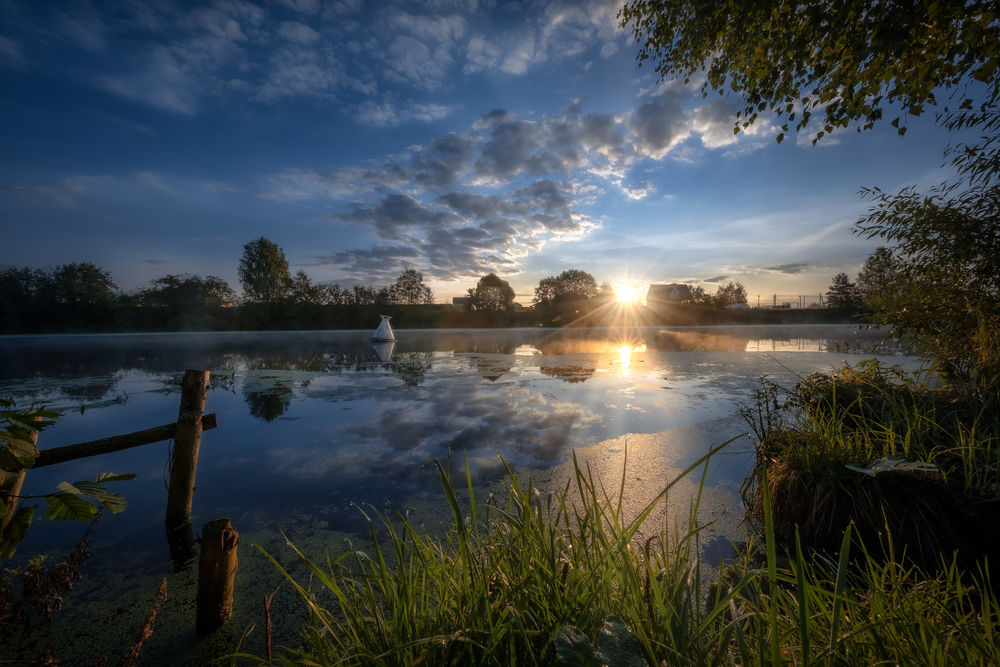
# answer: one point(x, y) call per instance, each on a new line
point(459, 300)
point(668, 293)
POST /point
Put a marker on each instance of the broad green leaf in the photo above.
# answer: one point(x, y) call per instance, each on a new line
point(113, 501)
point(15, 530)
point(113, 477)
point(69, 488)
point(69, 507)
point(23, 449)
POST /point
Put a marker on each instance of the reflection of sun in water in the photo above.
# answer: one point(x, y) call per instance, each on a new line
point(625, 355)
point(627, 295)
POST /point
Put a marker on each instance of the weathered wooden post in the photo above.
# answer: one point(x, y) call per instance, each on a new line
point(216, 574)
point(187, 441)
point(183, 547)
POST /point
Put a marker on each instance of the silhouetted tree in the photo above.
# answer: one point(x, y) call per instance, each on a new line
point(699, 296)
point(876, 275)
point(730, 294)
point(79, 285)
point(409, 288)
point(491, 293)
point(843, 293)
point(571, 285)
point(186, 291)
point(263, 272)
point(304, 291)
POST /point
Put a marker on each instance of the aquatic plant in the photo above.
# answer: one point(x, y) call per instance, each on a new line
point(530, 578)
point(874, 446)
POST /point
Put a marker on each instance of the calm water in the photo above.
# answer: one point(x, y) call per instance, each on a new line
point(313, 425)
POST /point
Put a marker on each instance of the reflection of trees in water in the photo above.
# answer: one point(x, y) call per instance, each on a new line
point(269, 405)
point(492, 368)
point(411, 367)
point(568, 373)
point(698, 341)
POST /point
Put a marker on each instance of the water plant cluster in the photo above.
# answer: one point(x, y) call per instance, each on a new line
point(567, 578)
point(887, 451)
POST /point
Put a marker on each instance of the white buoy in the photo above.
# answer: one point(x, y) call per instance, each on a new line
point(384, 333)
point(384, 349)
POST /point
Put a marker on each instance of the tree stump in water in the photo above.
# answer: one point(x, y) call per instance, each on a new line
point(216, 573)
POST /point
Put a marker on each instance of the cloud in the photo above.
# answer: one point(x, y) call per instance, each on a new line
point(388, 114)
point(659, 127)
point(460, 234)
point(154, 181)
point(11, 54)
point(797, 267)
point(640, 190)
point(467, 202)
point(162, 83)
point(302, 6)
point(714, 279)
point(481, 54)
point(38, 195)
point(297, 32)
point(83, 26)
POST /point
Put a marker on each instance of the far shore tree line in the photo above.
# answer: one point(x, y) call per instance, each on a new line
point(84, 297)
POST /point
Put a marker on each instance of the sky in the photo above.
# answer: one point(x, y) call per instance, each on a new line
point(455, 137)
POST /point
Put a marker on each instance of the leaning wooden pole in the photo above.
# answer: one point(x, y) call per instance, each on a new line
point(187, 441)
point(216, 574)
point(116, 443)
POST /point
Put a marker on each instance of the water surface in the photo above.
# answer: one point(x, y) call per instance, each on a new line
point(314, 425)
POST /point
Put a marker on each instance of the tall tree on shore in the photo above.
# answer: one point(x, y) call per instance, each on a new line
point(572, 285)
point(843, 293)
point(730, 295)
point(492, 293)
point(876, 275)
point(409, 288)
point(263, 272)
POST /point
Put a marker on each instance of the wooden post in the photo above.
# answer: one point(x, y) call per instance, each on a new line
point(183, 549)
point(216, 573)
point(187, 441)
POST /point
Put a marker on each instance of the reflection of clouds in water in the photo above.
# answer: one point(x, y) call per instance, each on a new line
point(456, 419)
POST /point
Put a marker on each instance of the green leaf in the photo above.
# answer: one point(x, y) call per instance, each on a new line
point(113, 501)
point(23, 449)
point(69, 507)
point(112, 477)
point(14, 532)
point(780, 137)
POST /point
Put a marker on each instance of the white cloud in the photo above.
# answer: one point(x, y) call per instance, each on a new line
point(10, 53)
point(481, 54)
point(520, 56)
point(297, 32)
point(162, 83)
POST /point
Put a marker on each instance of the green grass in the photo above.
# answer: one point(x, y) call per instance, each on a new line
point(861, 415)
point(528, 578)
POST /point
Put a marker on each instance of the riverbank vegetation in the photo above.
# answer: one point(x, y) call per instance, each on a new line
point(83, 298)
point(568, 578)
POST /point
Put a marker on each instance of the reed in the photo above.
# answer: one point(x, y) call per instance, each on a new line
point(528, 578)
point(940, 447)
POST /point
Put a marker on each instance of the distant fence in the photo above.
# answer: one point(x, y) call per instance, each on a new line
point(787, 301)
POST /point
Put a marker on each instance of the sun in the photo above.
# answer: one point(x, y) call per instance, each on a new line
point(626, 294)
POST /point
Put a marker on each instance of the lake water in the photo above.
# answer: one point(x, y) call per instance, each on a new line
point(314, 425)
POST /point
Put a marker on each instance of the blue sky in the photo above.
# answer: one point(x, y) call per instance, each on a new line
point(364, 138)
